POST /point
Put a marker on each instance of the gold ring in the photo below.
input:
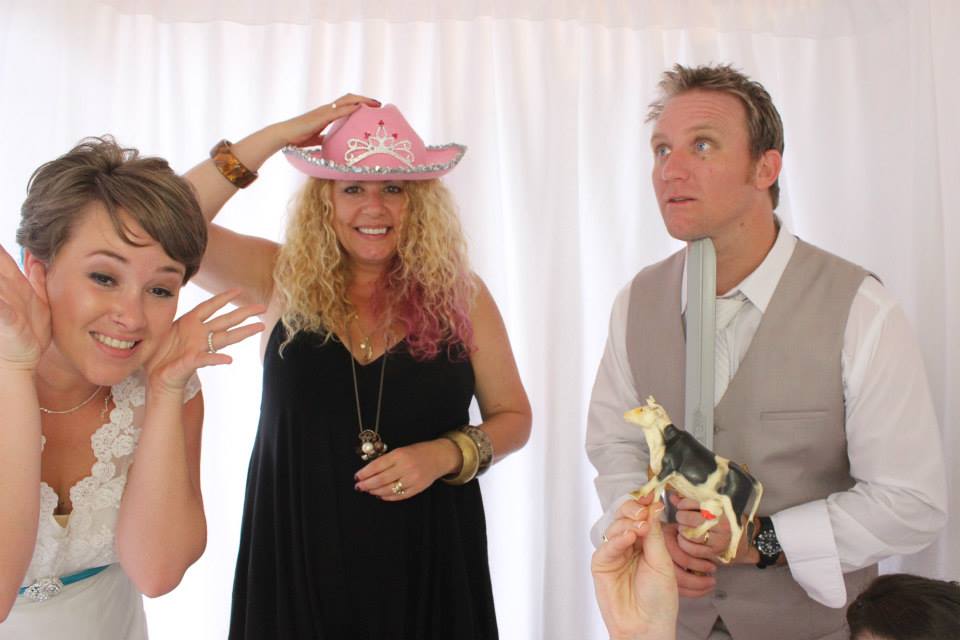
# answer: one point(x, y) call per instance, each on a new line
point(210, 347)
point(706, 538)
point(398, 489)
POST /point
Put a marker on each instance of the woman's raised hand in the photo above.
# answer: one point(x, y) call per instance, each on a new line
point(306, 130)
point(195, 338)
point(634, 576)
point(24, 316)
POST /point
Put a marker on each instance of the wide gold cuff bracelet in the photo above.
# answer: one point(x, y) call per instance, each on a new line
point(471, 458)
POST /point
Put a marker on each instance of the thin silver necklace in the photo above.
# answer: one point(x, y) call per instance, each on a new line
point(72, 409)
point(372, 445)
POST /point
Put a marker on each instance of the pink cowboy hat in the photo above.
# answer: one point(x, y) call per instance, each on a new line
point(374, 144)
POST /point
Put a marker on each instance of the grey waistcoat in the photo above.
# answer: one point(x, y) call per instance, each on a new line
point(782, 415)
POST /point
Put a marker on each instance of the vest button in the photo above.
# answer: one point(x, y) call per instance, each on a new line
point(720, 595)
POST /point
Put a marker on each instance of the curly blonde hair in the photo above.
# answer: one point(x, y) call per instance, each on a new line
point(428, 288)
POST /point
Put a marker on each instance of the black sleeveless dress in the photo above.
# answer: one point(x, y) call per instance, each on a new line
point(320, 560)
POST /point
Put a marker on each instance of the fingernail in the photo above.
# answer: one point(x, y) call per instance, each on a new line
point(356, 487)
point(658, 508)
point(641, 524)
point(639, 513)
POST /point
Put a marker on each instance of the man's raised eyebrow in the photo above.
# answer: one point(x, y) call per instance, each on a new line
point(167, 268)
point(704, 128)
point(700, 128)
point(656, 138)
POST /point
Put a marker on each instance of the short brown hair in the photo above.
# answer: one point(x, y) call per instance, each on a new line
point(100, 170)
point(907, 607)
point(763, 120)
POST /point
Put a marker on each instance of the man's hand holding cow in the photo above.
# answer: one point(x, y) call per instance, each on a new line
point(715, 542)
point(694, 575)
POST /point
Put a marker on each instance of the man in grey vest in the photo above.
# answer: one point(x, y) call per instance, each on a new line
point(820, 387)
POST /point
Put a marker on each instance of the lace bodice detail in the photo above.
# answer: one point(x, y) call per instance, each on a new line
point(88, 539)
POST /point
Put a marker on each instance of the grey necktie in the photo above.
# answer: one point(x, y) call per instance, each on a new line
point(727, 309)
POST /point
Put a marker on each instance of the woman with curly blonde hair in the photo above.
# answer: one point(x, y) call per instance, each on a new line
point(363, 516)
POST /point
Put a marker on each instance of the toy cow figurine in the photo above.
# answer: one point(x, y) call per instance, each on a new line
point(722, 487)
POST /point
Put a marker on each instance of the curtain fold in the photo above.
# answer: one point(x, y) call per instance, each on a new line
point(554, 193)
point(804, 18)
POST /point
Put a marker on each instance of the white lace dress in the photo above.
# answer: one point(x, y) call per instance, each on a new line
point(107, 605)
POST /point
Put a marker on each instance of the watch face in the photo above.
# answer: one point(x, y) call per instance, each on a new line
point(767, 543)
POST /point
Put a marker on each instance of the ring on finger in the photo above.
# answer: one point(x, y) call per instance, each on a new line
point(398, 489)
point(210, 347)
point(333, 105)
point(706, 538)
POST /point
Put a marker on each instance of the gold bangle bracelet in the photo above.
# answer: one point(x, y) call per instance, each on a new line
point(230, 166)
point(471, 458)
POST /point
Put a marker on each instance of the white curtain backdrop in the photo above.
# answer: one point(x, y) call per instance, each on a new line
point(554, 193)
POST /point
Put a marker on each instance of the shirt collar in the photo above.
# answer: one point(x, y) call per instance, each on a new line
point(758, 287)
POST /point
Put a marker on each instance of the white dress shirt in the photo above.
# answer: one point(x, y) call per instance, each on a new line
point(898, 504)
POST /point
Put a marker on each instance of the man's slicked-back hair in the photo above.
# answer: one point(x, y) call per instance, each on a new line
point(764, 125)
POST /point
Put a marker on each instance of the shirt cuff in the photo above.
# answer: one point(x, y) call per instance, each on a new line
point(806, 537)
point(600, 526)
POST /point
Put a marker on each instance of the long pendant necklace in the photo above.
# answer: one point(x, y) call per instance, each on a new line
point(371, 445)
point(54, 412)
point(366, 343)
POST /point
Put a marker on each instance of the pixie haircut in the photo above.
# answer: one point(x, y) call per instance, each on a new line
point(763, 120)
point(100, 170)
point(900, 606)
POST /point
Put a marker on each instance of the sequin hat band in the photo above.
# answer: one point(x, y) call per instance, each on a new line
point(374, 143)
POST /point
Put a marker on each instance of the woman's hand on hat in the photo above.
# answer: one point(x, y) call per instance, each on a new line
point(24, 315)
point(195, 339)
point(306, 130)
point(405, 472)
